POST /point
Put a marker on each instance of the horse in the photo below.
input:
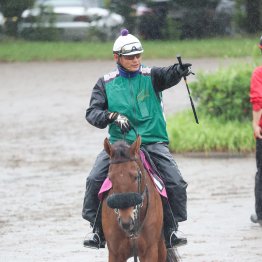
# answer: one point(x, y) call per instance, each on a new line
point(132, 212)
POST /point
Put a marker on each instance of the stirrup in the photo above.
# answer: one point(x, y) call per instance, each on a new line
point(174, 241)
point(94, 241)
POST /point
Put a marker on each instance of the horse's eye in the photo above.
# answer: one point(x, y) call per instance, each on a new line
point(133, 176)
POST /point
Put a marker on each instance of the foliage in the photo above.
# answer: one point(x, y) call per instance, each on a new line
point(207, 18)
point(154, 24)
point(14, 8)
point(125, 8)
point(177, 19)
point(198, 23)
point(213, 134)
point(253, 13)
point(170, 19)
point(41, 33)
point(197, 4)
point(198, 19)
point(225, 93)
point(224, 113)
point(239, 17)
point(248, 16)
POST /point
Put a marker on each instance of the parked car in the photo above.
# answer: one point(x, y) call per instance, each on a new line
point(70, 19)
point(2, 23)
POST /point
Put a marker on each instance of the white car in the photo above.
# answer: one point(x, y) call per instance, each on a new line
point(73, 19)
point(2, 23)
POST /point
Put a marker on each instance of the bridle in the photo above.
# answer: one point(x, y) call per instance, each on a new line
point(134, 234)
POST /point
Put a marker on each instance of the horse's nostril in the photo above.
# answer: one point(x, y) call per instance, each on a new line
point(127, 225)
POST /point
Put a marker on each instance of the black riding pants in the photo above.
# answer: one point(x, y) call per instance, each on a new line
point(258, 179)
point(167, 167)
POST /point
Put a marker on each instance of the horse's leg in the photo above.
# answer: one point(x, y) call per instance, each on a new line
point(112, 258)
point(162, 252)
point(115, 258)
point(151, 254)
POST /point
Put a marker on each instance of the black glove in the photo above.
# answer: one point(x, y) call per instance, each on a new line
point(121, 121)
point(184, 70)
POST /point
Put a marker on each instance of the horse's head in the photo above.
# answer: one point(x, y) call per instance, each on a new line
point(125, 174)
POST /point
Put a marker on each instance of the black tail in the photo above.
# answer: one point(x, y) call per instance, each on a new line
point(172, 255)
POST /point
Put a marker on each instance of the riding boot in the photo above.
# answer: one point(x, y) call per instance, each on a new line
point(96, 239)
point(255, 219)
point(172, 239)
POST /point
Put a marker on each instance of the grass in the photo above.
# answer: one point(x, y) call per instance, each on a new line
point(25, 51)
point(19, 50)
point(211, 135)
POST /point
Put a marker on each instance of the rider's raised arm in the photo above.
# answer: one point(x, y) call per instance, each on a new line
point(165, 77)
point(96, 113)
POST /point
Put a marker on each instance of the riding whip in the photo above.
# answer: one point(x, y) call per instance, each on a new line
point(191, 100)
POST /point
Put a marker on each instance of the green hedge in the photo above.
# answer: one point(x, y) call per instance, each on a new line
point(225, 93)
point(211, 135)
point(224, 113)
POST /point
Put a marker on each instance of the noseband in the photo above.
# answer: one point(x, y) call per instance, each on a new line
point(123, 160)
point(137, 204)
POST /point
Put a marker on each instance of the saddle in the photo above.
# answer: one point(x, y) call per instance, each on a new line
point(150, 168)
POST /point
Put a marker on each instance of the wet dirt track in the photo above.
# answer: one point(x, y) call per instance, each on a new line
point(47, 150)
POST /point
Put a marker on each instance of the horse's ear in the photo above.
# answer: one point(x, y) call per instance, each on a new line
point(135, 147)
point(107, 147)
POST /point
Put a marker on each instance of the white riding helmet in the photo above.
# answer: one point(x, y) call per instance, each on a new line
point(127, 44)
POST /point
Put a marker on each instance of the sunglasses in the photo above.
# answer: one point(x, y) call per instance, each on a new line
point(132, 57)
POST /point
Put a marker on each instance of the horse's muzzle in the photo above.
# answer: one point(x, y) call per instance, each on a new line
point(128, 225)
point(124, 200)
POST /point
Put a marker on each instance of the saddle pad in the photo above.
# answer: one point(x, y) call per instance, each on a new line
point(159, 184)
point(107, 184)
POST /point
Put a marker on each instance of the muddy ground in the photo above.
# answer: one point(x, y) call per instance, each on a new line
point(47, 149)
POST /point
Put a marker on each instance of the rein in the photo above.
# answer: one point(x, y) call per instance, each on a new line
point(139, 226)
point(119, 161)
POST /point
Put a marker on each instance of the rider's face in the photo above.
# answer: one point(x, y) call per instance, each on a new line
point(131, 63)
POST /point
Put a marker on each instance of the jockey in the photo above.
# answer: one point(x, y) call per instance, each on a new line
point(131, 97)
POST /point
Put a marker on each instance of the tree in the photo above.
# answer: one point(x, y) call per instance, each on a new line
point(12, 10)
point(253, 24)
point(125, 8)
point(153, 23)
point(195, 18)
point(192, 4)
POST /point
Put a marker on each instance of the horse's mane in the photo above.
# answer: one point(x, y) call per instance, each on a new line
point(121, 151)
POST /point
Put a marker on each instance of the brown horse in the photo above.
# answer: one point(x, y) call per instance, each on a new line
point(132, 214)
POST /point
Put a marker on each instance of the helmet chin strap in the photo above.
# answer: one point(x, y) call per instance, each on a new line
point(118, 63)
point(118, 60)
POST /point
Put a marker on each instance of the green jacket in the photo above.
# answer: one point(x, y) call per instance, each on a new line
point(136, 95)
